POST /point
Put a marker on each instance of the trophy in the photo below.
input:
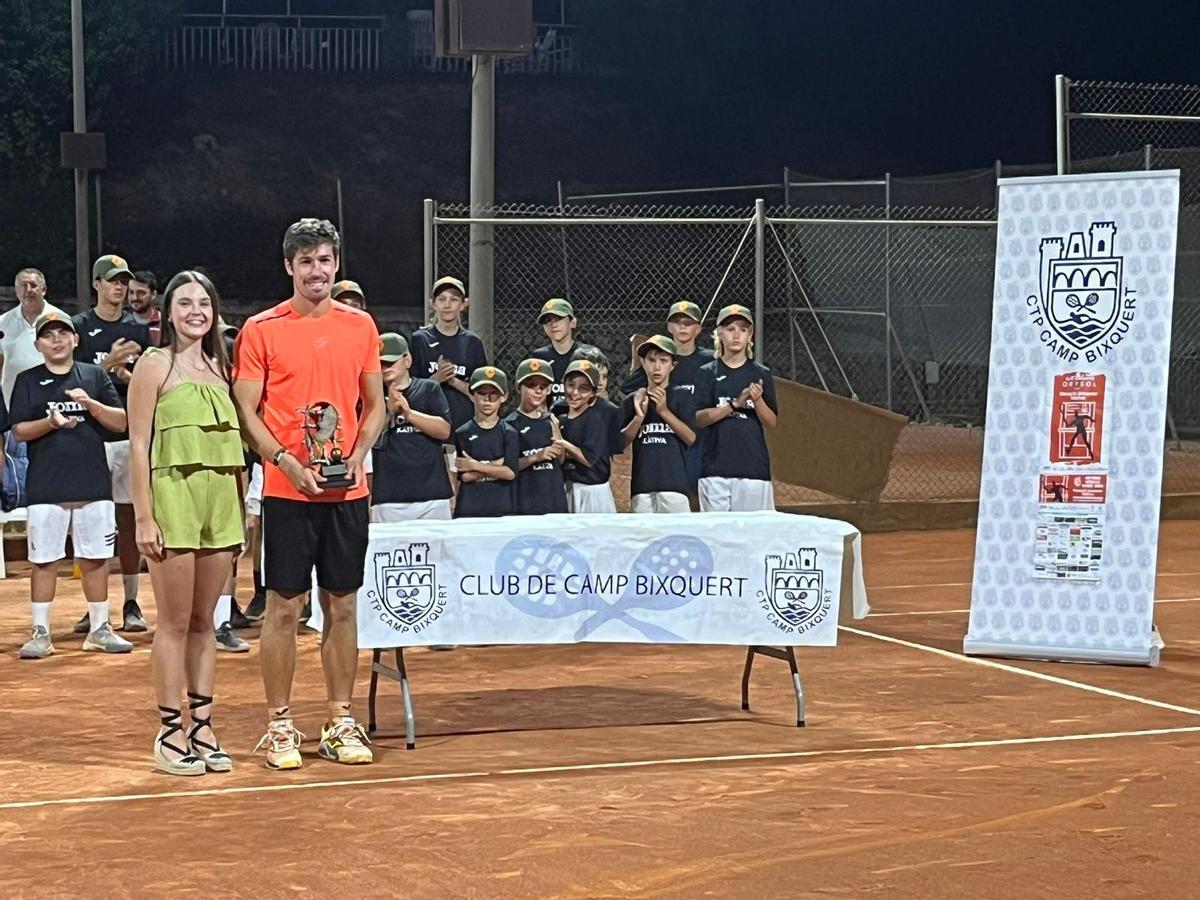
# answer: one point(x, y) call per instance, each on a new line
point(322, 434)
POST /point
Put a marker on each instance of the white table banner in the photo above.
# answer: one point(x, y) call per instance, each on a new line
point(713, 578)
point(1077, 392)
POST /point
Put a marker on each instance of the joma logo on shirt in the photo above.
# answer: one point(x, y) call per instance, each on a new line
point(64, 407)
point(458, 370)
point(728, 401)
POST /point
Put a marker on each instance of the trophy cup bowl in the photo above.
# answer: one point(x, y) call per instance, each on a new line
point(322, 434)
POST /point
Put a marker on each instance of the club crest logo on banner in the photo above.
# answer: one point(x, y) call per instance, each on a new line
point(795, 595)
point(407, 595)
point(1081, 308)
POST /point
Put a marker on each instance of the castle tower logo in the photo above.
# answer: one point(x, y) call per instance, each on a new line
point(1082, 307)
point(795, 591)
point(406, 593)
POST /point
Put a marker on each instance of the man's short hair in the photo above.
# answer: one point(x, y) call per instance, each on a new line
point(29, 270)
point(308, 234)
point(146, 277)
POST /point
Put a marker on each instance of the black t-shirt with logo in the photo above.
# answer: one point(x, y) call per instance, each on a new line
point(67, 465)
point(464, 349)
point(734, 447)
point(685, 373)
point(96, 337)
point(558, 366)
point(488, 496)
point(659, 455)
point(409, 466)
point(539, 487)
point(591, 432)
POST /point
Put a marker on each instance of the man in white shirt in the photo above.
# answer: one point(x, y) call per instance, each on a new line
point(18, 351)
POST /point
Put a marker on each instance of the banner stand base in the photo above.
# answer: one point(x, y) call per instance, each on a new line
point(788, 655)
point(399, 674)
point(1147, 657)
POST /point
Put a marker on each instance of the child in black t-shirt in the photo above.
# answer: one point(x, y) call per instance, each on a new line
point(587, 440)
point(557, 319)
point(488, 451)
point(735, 399)
point(660, 424)
point(409, 479)
point(446, 352)
point(62, 408)
point(611, 411)
point(540, 487)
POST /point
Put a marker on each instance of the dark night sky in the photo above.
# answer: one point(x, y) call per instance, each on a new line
point(854, 88)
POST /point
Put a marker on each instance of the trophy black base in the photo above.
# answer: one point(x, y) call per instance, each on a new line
point(335, 476)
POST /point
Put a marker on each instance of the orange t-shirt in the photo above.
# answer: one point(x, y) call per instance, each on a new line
point(302, 360)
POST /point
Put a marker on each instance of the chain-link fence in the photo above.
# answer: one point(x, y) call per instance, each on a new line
point(1108, 126)
point(894, 311)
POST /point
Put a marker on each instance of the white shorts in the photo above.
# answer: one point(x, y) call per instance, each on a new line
point(118, 466)
point(659, 502)
point(736, 495)
point(369, 463)
point(406, 512)
point(254, 490)
point(590, 498)
point(93, 527)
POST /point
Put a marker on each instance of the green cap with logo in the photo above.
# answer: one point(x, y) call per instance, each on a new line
point(586, 368)
point(346, 286)
point(109, 267)
point(534, 368)
point(556, 306)
point(486, 375)
point(392, 346)
point(685, 308)
point(657, 342)
point(52, 317)
point(448, 282)
point(734, 311)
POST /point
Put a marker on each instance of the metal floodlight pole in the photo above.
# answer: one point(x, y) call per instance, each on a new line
point(887, 290)
point(79, 124)
point(760, 277)
point(427, 212)
point(1062, 135)
point(342, 228)
point(483, 197)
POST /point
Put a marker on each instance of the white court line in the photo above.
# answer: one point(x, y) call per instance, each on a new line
point(942, 584)
point(593, 767)
point(992, 664)
point(946, 612)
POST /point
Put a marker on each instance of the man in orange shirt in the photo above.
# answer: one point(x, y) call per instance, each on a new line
point(308, 350)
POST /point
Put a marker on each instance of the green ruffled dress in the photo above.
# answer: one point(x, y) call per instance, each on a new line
point(195, 461)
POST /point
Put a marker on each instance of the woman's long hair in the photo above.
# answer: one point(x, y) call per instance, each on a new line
point(212, 342)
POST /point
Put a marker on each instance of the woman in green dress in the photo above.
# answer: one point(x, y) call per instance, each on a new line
point(185, 456)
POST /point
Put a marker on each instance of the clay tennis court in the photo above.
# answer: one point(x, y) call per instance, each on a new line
point(630, 771)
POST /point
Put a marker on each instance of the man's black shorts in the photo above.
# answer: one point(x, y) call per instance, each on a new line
point(301, 534)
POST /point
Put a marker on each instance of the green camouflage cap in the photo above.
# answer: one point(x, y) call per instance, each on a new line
point(533, 368)
point(489, 375)
point(685, 308)
point(346, 286)
point(556, 306)
point(657, 342)
point(52, 317)
point(583, 367)
point(392, 346)
point(734, 311)
point(110, 266)
point(448, 281)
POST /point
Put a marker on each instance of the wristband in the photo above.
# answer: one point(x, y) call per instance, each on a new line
point(278, 455)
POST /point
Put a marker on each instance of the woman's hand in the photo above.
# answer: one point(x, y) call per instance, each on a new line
point(149, 539)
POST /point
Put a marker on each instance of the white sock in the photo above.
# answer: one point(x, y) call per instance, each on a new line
point(98, 613)
point(131, 586)
point(41, 615)
point(223, 609)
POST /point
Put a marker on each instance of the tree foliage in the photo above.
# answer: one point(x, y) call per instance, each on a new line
point(121, 44)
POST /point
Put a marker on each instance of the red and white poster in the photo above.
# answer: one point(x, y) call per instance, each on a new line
point(1070, 488)
point(1077, 418)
